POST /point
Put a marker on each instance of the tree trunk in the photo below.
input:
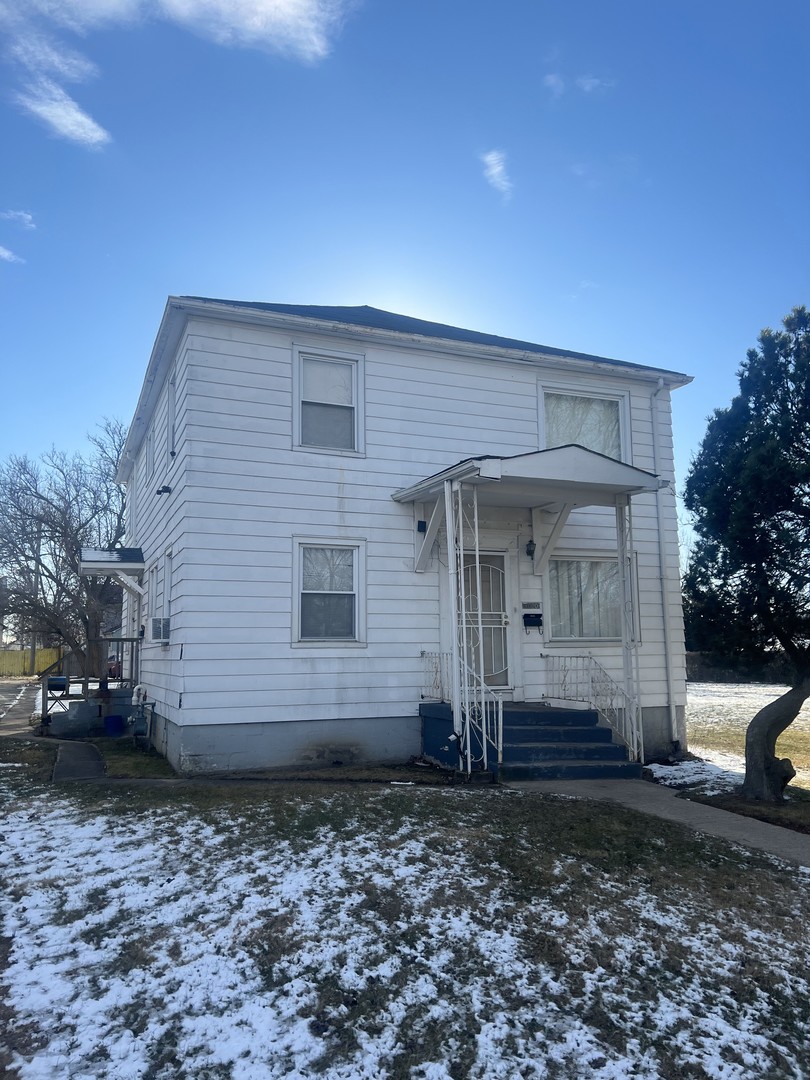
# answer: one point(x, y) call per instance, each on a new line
point(767, 776)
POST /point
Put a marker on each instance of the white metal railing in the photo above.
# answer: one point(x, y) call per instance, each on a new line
point(583, 679)
point(481, 734)
point(437, 681)
point(482, 713)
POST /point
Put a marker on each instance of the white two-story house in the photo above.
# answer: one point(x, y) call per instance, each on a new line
point(347, 515)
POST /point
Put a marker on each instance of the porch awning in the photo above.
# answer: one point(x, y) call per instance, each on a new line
point(105, 561)
point(543, 479)
point(126, 564)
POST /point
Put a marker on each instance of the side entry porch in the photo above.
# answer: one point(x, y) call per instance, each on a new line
point(585, 719)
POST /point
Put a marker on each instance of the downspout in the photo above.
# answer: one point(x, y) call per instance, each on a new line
point(659, 506)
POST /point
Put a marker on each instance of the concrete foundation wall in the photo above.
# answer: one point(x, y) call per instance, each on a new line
point(658, 737)
point(220, 748)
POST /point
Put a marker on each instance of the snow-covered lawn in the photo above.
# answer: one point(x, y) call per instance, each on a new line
point(293, 931)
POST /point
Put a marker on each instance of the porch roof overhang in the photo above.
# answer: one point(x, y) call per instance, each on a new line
point(126, 564)
point(543, 479)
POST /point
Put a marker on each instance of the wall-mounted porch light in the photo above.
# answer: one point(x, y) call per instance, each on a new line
point(531, 547)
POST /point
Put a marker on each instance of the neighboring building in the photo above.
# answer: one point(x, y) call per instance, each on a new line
point(291, 474)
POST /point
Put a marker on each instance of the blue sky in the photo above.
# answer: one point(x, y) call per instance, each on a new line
point(627, 178)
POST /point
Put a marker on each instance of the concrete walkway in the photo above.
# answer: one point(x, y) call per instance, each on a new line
point(663, 802)
point(74, 760)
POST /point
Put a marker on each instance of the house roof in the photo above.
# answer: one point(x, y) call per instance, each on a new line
point(378, 319)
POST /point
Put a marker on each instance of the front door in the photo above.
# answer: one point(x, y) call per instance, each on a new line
point(494, 620)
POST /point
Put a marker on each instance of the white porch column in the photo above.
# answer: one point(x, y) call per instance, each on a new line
point(452, 574)
point(628, 620)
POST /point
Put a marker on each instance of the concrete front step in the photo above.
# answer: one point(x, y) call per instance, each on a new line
point(570, 770)
point(519, 733)
point(520, 753)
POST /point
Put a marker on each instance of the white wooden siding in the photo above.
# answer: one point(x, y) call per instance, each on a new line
point(240, 492)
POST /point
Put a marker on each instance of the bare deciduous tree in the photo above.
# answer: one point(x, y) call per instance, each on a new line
point(49, 510)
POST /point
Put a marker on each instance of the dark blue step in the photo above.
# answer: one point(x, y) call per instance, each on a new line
point(520, 753)
point(517, 733)
point(571, 770)
point(543, 715)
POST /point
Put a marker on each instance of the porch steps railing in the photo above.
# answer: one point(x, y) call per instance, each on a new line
point(578, 681)
point(481, 734)
point(69, 680)
point(482, 729)
point(582, 679)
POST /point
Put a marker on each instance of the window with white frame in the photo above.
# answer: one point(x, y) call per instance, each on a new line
point(330, 599)
point(329, 392)
point(592, 422)
point(585, 598)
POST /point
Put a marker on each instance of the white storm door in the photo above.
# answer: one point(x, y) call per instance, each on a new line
point(494, 619)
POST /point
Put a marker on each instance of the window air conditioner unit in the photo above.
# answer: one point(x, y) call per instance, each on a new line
point(160, 629)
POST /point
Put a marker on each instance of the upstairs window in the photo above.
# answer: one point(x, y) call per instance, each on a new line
point(592, 422)
point(329, 403)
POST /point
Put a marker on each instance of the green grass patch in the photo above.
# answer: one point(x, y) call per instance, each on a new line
point(729, 737)
point(124, 760)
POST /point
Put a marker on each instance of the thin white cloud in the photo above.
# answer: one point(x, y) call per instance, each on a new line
point(495, 172)
point(9, 256)
point(303, 29)
point(555, 83)
point(48, 102)
point(19, 217)
point(588, 84)
point(43, 56)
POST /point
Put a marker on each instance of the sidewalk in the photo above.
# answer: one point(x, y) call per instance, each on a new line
point(74, 760)
point(663, 802)
point(17, 700)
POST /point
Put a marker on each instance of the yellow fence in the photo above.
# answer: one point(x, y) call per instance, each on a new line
point(14, 662)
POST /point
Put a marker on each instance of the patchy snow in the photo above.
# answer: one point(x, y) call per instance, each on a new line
point(715, 773)
point(157, 944)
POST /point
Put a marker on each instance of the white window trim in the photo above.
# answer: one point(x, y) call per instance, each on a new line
point(151, 600)
point(585, 391)
point(577, 555)
point(359, 548)
point(357, 360)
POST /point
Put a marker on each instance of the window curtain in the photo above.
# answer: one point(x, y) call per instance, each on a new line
point(585, 598)
point(589, 422)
